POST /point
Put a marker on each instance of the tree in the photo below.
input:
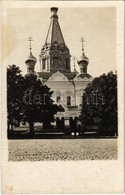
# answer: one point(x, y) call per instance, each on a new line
point(38, 105)
point(100, 102)
point(28, 100)
point(15, 86)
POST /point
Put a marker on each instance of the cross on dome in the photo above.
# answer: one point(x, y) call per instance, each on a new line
point(30, 40)
point(74, 60)
point(82, 40)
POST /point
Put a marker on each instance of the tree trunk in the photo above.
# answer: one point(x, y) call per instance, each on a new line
point(32, 128)
point(11, 127)
point(8, 129)
point(46, 125)
point(8, 126)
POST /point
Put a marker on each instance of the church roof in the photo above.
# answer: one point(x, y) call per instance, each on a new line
point(47, 75)
point(83, 75)
point(54, 33)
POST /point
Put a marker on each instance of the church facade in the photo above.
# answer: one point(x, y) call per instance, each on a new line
point(55, 71)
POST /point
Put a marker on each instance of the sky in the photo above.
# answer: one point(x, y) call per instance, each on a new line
point(97, 25)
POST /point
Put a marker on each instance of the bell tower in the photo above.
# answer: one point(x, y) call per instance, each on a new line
point(54, 55)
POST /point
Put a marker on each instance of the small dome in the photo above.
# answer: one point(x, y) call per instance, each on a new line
point(83, 58)
point(31, 58)
point(54, 9)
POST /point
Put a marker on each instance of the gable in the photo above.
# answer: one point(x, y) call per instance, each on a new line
point(58, 76)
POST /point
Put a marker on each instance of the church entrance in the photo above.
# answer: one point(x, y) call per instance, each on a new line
point(70, 123)
point(73, 122)
point(60, 123)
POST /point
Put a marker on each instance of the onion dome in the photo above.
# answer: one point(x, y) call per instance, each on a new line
point(83, 58)
point(31, 58)
point(83, 61)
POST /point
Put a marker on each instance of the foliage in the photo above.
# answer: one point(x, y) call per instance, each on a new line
point(38, 105)
point(15, 86)
point(28, 99)
point(100, 101)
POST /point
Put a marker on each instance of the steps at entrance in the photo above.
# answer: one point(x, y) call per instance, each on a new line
point(53, 130)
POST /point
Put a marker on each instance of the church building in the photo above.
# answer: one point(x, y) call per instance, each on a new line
point(55, 71)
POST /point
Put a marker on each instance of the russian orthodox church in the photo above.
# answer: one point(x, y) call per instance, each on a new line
point(55, 71)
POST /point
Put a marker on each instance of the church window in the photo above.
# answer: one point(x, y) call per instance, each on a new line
point(58, 98)
point(81, 70)
point(44, 63)
point(66, 60)
point(55, 62)
point(68, 101)
point(47, 66)
point(84, 70)
point(28, 69)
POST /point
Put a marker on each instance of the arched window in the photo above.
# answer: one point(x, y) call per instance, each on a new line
point(47, 66)
point(58, 99)
point(66, 60)
point(68, 100)
point(56, 62)
point(28, 69)
point(84, 69)
point(44, 63)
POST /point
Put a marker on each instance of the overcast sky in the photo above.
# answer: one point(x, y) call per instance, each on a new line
point(96, 24)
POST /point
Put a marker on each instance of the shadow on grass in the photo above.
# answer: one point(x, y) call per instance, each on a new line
point(59, 136)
